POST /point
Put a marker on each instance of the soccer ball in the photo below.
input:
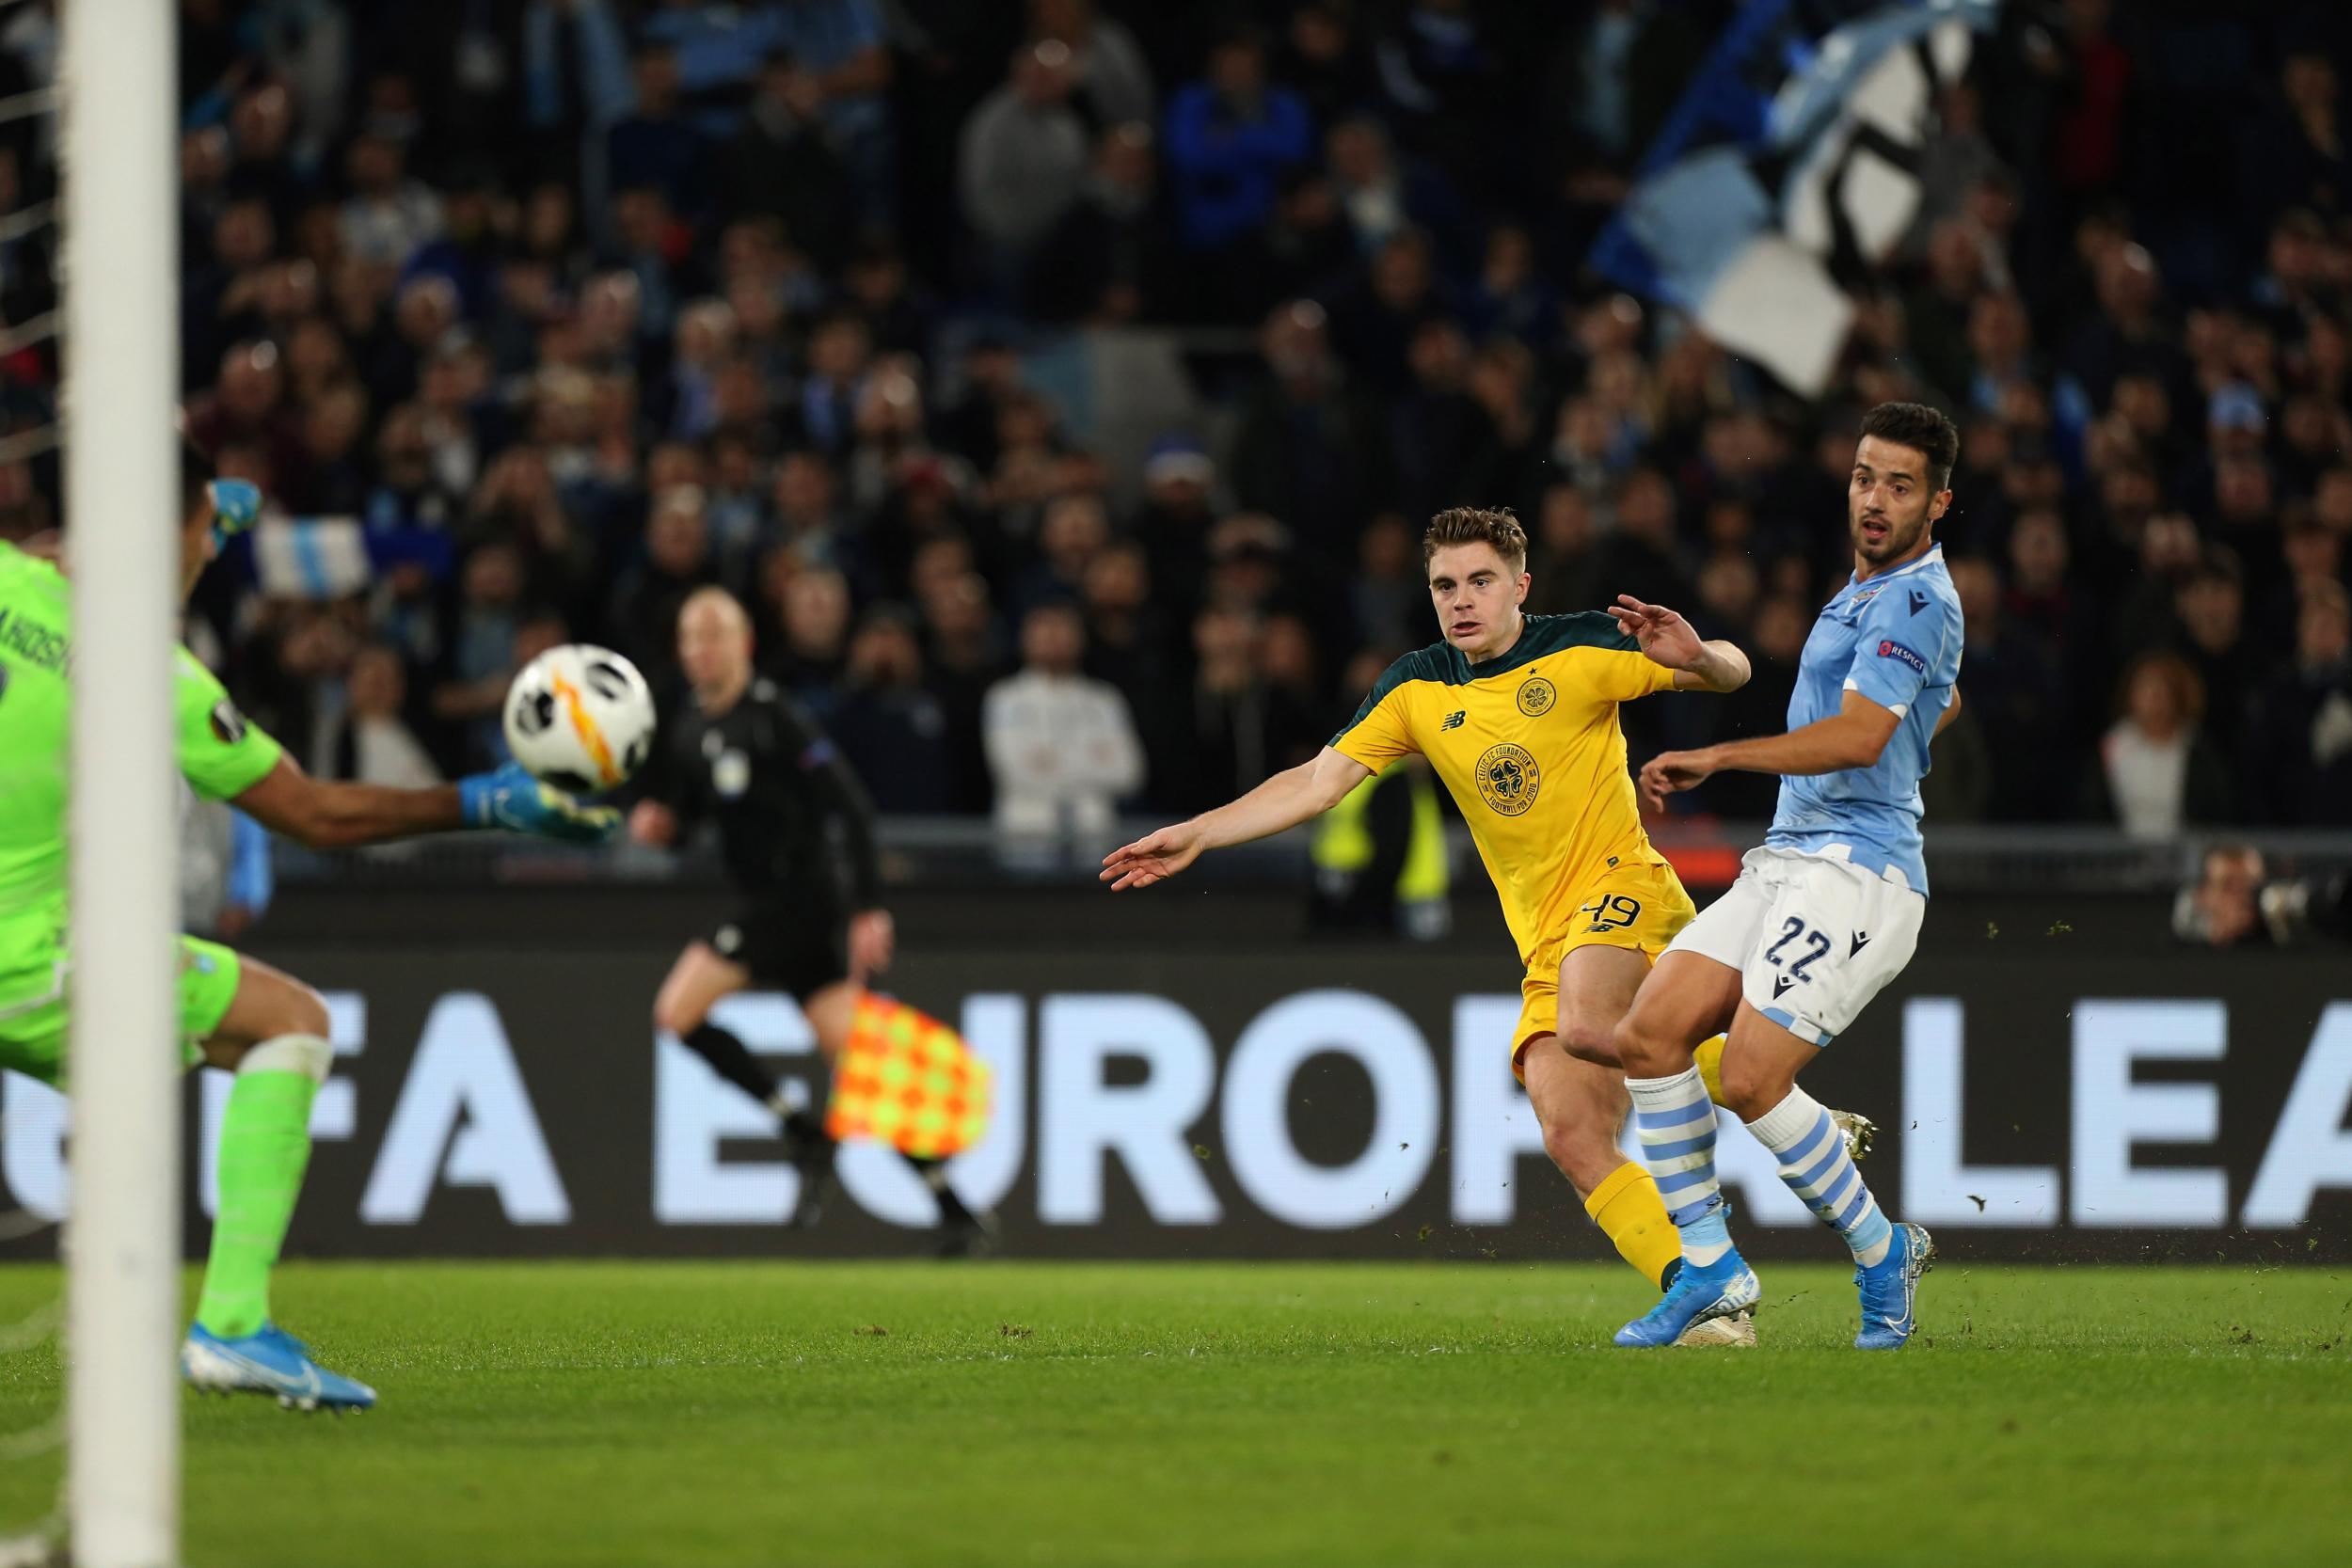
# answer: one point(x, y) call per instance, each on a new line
point(580, 717)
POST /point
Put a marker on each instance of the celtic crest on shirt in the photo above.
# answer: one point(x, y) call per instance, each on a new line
point(1508, 779)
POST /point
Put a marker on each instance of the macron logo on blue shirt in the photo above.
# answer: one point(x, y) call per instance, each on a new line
point(1889, 648)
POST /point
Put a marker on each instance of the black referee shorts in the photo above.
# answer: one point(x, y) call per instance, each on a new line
point(798, 949)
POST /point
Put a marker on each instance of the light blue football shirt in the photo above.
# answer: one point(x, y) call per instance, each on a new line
point(1897, 639)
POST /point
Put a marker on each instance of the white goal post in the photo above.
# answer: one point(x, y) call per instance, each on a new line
point(119, 90)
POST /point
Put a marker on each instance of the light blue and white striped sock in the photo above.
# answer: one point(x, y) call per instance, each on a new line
point(1676, 1125)
point(1815, 1165)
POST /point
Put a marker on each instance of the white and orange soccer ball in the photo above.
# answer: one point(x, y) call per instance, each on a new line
point(579, 717)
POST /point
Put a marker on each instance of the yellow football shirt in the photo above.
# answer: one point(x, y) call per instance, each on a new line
point(1529, 746)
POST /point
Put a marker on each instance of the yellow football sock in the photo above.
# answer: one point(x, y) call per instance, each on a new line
point(1630, 1213)
point(1709, 1057)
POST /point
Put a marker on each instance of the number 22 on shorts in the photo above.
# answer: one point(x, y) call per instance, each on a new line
point(1816, 948)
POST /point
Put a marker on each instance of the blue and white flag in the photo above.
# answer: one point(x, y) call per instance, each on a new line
point(1789, 161)
point(311, 558)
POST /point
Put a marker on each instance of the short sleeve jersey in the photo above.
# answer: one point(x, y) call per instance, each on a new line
point(1529, 744)
point(1897, 639)
point(220, 754)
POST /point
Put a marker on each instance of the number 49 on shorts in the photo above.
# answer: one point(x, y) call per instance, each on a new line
point(1613, 913)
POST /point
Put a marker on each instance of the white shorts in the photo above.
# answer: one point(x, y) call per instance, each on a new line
point(1813, 937)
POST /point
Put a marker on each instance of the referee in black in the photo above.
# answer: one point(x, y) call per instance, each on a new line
point(797, 831)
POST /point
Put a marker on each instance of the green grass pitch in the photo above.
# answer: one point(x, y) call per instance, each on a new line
point(644, 1414)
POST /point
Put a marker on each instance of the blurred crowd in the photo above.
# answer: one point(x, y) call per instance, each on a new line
point(532, 316)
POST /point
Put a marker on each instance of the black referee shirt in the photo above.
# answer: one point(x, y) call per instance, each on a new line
point(794, 823)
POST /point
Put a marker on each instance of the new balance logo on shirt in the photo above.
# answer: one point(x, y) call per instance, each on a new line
point(1454, 721)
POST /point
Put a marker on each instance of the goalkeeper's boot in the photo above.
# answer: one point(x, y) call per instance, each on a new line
point(1724, 1288)
point(1890, 1289)
point(811, 1153)
point(267, 1361)
point(1858, 1131)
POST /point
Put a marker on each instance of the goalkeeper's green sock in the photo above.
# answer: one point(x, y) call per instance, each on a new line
point(265, 1145)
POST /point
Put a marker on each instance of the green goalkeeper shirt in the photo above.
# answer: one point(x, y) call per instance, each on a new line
point(220, 754)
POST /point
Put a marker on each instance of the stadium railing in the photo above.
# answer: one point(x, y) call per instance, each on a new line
point(963, 852)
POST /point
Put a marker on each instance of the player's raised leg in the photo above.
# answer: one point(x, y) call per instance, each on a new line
point(1682, 1001)
point(270, 1030)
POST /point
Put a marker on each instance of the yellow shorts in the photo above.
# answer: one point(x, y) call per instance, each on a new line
point(1640, 907)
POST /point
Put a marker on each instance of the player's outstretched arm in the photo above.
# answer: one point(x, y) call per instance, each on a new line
point(1721, 667)
point(1852, 738)
point(329, 813)
point(1669, 639)
point(1284, 800)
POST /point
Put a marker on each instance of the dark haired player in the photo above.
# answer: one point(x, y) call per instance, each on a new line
point(797, 831)
point(235, 1013)
point(1824, 913)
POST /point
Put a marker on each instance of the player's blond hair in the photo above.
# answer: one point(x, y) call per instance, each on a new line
point(1477, 525)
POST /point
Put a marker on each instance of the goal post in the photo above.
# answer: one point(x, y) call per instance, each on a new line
point(119, 102)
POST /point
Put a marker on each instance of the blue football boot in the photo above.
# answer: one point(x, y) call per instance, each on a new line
point(269, 1361)
point(1890, 1289)
point(1724, 1288)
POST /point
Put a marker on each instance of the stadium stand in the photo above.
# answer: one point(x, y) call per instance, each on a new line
point(531, 318)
